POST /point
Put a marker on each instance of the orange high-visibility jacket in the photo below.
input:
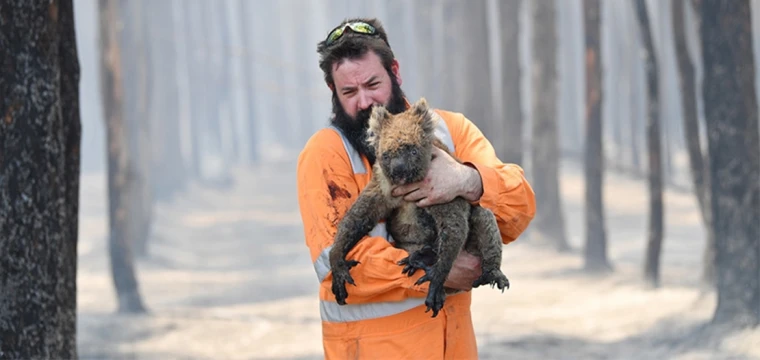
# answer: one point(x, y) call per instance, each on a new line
point(385, 312)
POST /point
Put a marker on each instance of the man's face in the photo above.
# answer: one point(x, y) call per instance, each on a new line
point(359, 84)
point(363, 82)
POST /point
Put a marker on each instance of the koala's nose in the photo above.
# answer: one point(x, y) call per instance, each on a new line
point(397, 165)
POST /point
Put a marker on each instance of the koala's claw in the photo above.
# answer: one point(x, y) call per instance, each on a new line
point(493, 277)
point(341, 276)
point(420, 259)
point(411, 265)
point(435, 298)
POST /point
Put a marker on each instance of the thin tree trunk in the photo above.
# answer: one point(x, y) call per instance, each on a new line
point(595, 251)
point(549, 223)
point(247, 73)
point(635, 119)
point(214, 90)
point(120, 167)
point(697, 162)
point(476, 91)
point(511, 149)
point(142, 209)
point(168, 164)
point(232, 153)
point(40, 137)
point(734, 148)
point(654, 242)
point(195, 69)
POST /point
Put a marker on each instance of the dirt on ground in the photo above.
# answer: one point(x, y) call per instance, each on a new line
point(229, 277)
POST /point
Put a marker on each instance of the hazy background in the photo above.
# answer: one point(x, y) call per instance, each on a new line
point(219, 98)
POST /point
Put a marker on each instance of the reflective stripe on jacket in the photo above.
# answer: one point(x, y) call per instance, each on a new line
point(385, 313)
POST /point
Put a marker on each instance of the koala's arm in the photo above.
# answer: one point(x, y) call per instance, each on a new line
point(506, 192)
point(326, 190)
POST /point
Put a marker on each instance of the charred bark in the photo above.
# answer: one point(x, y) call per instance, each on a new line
point(697, 159)
point(595, 251)
point(549, 223)
point(40, 137)
point(734, 150)
point(654, 241)
point(511, 149)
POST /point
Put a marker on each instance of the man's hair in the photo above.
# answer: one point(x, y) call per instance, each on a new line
point(354, 45)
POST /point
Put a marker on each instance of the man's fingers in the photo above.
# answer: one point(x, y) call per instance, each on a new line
point(414, 196)
point(403, 190)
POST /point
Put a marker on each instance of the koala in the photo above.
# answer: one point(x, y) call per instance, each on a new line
point(432, 236)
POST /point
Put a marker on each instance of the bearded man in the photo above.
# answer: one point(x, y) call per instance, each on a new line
point(385, 312)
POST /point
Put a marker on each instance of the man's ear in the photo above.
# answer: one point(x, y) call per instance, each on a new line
point(395, 71)
point(331, 86)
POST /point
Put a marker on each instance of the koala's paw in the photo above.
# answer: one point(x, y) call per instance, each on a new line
point(417, 260)
point(494, 277)
point(435, 298)
point(341, 276)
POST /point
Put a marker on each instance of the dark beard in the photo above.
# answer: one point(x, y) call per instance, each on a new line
point(355, 130)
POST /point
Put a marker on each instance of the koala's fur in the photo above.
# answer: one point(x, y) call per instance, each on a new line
point(433, 236)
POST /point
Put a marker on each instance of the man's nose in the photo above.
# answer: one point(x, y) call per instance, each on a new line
point(365, 101)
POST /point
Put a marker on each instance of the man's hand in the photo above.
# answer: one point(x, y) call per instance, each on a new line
point(445, 180)
point(465, 271)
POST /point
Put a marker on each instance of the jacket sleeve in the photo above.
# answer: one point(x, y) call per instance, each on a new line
point(506, 191)
point(326, 189)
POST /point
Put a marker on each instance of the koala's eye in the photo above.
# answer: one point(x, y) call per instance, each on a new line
point(386, 156)
point(414, 152)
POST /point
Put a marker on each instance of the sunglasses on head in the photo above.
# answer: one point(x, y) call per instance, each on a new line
point(357, 27)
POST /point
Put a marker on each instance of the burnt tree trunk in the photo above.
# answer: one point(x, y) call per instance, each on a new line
point(140, 125)
point(214, 89)
point(40, 137)
point(468, 89)
point(654, 241)
point(635, 169)
point(478, 105)
point(168, 167)
point(121, 166)
point(595, 251)
point(247, 72)
point(511, 149)
point(195, 69)
point(549, 222)
point(734, 148)
point(697, 162)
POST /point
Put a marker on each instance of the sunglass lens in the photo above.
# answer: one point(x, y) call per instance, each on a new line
point(335, 35)
point(363, 28)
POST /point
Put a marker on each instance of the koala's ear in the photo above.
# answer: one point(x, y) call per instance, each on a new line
point(420, 108)
point(423, 112)
point(378, 118)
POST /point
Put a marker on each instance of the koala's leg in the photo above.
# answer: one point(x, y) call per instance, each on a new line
point(359, 220)
point(452, 224)
point(419, 241)
point(485, 242)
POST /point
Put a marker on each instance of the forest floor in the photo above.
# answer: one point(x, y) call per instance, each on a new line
point(229, 277)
